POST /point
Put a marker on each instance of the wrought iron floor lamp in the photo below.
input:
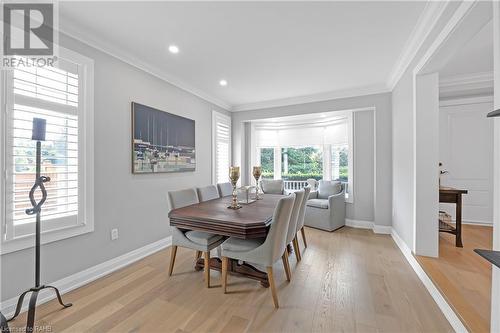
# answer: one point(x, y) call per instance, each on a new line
point(38, 134)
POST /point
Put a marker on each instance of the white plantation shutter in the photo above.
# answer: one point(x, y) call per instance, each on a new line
point(221, 133)
point(56, 95)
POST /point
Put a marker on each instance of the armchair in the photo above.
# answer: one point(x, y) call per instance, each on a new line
point(325, 208)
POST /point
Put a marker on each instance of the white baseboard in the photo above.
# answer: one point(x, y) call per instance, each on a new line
point(362, 224)
point(443, 305)
point(88, 275)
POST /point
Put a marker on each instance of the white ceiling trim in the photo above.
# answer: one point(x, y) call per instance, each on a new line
point(358, 91)
point(126, 57)
point(426, 22)
point(466, 82)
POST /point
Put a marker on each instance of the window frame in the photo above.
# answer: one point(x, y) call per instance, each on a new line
point(220, 117)
point(85, 112)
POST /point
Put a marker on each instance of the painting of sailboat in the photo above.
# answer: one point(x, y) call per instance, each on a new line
point(161, 141)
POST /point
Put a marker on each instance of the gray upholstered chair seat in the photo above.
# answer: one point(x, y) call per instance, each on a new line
point(318, 203)
point(202, 238)
point(233, 245)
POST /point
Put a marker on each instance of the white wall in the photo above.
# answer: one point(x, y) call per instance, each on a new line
point(466, 151)
point(136, 204)
point(373, 189)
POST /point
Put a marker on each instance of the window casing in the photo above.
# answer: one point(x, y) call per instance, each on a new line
point(221, 147)
point(64, 97)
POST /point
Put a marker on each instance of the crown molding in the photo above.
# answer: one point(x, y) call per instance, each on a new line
point(128, 58)
point(465, 82)
point(325, 96)
point(426, 22)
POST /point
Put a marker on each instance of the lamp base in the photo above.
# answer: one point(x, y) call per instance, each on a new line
point(234, 207)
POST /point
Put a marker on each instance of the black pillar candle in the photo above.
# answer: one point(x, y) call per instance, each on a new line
point(39, 126)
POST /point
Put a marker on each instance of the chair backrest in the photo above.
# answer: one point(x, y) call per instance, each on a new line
point(182, 198)
point(313, 183)
point(272, 186)
point(302, 211)
point(275, 242)
point(225, 189)
point(329, 187)
point(209, 192)
point(292, 226)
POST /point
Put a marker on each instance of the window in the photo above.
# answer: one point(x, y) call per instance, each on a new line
point(302, 163)
point(221, 146)
point(266, 158)
point(62, 96)
point(297, 150)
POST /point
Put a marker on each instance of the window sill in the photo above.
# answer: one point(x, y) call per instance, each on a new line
point(21, 243)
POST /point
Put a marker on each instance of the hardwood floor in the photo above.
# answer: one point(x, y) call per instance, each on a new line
point(350, 280)
point(463, 277)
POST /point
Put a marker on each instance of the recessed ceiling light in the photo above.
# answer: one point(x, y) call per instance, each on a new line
point(223, 82)
point(173, 49)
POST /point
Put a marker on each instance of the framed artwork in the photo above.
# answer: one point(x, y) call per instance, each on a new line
point(161, 141)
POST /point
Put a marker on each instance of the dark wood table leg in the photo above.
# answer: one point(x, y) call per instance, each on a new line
point(458, 226)
point(235, 268)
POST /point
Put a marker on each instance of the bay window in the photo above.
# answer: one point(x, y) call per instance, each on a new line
point(295, 151)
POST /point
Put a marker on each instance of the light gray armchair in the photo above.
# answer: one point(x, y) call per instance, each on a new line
point(263, 252)
point(225, 189)
point(195, 240)
point(325, 208)
point(273, 186)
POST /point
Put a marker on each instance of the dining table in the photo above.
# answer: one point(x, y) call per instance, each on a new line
point(251, 221)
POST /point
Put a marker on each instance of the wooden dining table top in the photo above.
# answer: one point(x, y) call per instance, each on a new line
point(250, 221)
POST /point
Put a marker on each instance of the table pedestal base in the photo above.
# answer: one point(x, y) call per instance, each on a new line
point(235, 268)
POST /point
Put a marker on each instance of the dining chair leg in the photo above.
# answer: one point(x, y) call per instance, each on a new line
point(225, 262)
point(296, 249)
point(198, 255)
point(207, 269)
point(173, 252)
point(303, 232)
point(274, 292)
point(286, 265)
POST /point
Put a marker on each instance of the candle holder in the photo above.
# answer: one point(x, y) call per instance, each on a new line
point(257, 172)
point(234, 175)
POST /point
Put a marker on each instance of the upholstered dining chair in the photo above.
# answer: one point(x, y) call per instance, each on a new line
point(195, 240)
point(291, 236)
point(273, 186)
point(208, 193)
point(225, 189)
point(301, 218)
point(265, 251)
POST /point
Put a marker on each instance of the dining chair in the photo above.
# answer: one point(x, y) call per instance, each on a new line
point(262, 251)
point(273, 186)
point(291, 236)
point(208, 193)
point(225, 189)
point(195, 240)
point(301, 218)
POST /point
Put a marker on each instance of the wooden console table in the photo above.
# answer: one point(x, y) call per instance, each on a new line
point(453, 195)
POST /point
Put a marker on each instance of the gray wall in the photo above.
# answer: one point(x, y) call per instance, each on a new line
point(373, 197)
point(403, 141)
point(136, 204)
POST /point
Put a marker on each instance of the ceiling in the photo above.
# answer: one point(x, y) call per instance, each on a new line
point(474, 57)
point(265, 50)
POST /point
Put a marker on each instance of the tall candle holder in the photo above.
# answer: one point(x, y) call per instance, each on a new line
point(234, 175)
point(257, 172)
